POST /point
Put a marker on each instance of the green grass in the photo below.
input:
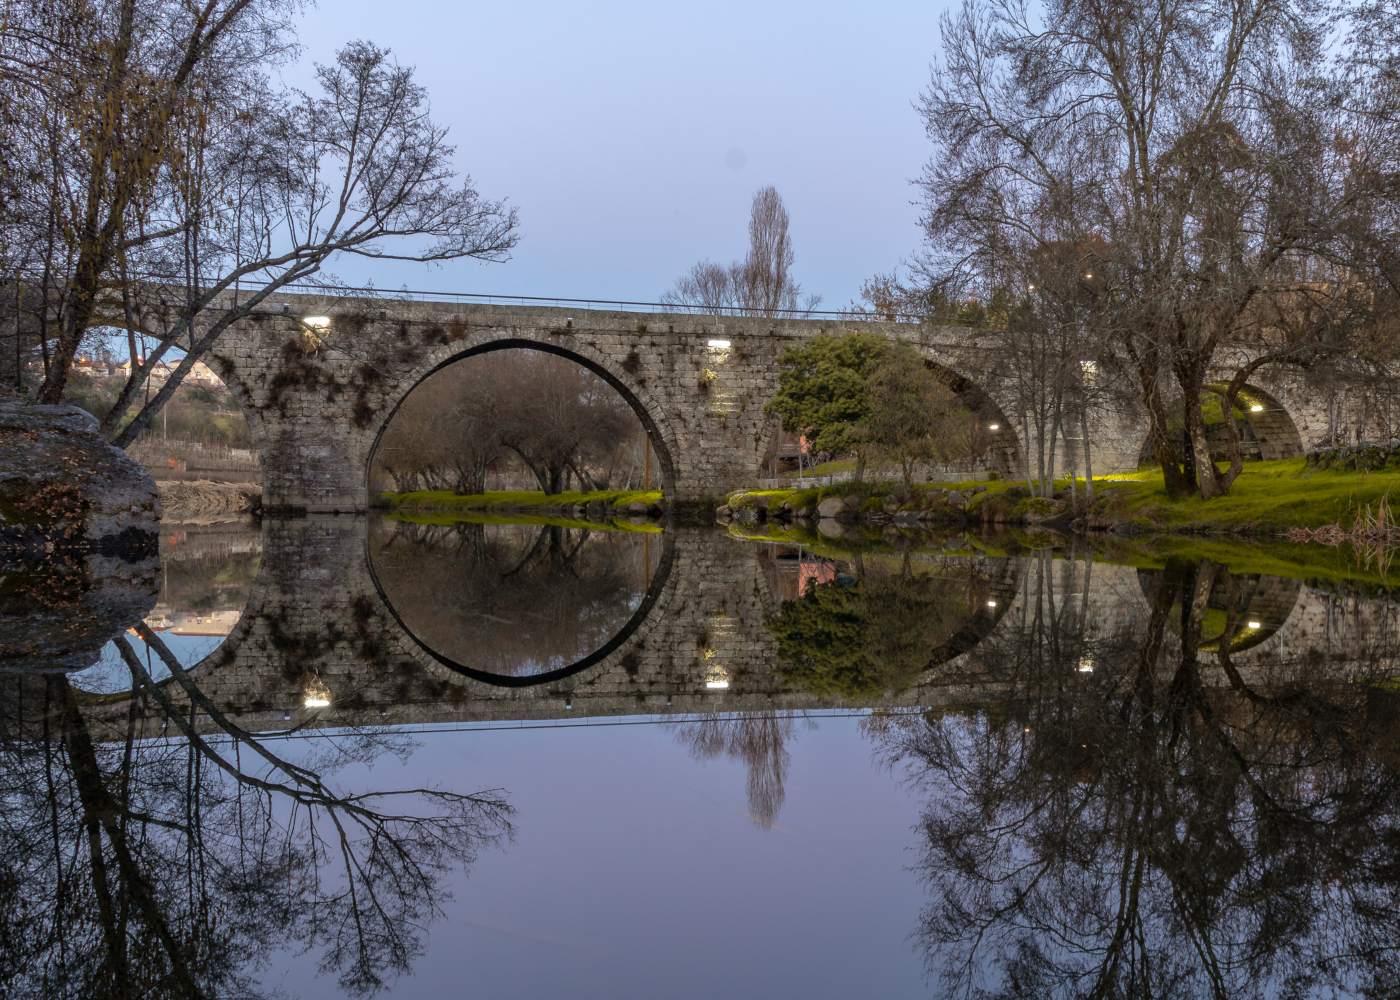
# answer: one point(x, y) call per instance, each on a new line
point(514, 501)
point(1267, 499)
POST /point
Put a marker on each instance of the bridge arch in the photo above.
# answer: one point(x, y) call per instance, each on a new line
point(647, 410)
point(993, 433)
point(1267, 430)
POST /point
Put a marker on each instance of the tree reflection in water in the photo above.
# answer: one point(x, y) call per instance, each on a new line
point(512, 599)
point(856, 635)
point(759, 740)
point(173, 867)
point(1164, 823)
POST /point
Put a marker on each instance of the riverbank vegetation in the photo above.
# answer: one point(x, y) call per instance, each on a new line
point(1268, 500)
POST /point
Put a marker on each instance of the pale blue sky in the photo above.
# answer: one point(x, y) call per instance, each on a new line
point(632, 135)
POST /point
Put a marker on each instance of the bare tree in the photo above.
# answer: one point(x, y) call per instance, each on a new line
point(233, 182)
point(1209, 149)
point(761, 283)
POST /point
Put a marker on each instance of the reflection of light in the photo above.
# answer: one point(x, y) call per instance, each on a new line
point(1256, 408)
point(317, 322)
point(717, 678)
point(1086, 665)
point(994, 427)
point(1255, 625)
point(719, 345)
point(991, 604)
point(318, 694)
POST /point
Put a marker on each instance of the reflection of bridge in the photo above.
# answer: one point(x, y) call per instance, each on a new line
point(316, 618)
point(317, 396)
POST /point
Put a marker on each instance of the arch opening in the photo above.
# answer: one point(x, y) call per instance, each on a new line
point(1266, 430)
point(521, 598)
point(474, 409)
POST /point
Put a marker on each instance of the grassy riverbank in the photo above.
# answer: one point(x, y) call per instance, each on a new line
point(1267, 500)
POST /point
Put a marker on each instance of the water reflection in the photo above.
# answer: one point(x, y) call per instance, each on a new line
point(175, 867)
point(861, 628)
point(1171, 824)
point(513, 600)
point(1178, 780)
point(206, 576)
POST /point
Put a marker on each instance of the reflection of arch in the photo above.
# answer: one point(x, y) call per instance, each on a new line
point(1266, 430)
point(1261, 607)
point(1004, 587)
point(632, 395)
point(1001, 576)
point(644, 608)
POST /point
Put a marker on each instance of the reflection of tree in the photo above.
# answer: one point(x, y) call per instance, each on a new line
point(1167, 825)
point(511, 599)
point(760, 741)
point(855, 639)
point(135, 867)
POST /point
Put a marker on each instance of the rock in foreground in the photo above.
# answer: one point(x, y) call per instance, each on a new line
point(63, 487)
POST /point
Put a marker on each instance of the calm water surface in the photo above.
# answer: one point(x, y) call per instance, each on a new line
point(340, 757)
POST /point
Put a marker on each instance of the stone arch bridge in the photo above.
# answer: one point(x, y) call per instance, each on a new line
point(317, 396)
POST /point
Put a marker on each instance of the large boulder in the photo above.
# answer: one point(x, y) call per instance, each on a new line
point(63, 486)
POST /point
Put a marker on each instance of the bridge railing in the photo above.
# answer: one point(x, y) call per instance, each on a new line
point(617, 305)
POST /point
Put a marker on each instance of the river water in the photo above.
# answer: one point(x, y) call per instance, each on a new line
point(345, 756)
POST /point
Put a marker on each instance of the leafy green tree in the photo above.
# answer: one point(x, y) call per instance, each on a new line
point(914, 416)
point(824, 391)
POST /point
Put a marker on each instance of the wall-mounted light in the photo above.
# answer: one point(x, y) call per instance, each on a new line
point(315, 701)
point(1086, 665)
point(991, 604)
point(718, 344)
point(994, 427)
point(1255, 625)
point(1256, 408)
point(1089, 275)
point(316, 322)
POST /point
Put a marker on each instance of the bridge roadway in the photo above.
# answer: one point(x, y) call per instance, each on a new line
point(316, 614)
point(699, 384)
